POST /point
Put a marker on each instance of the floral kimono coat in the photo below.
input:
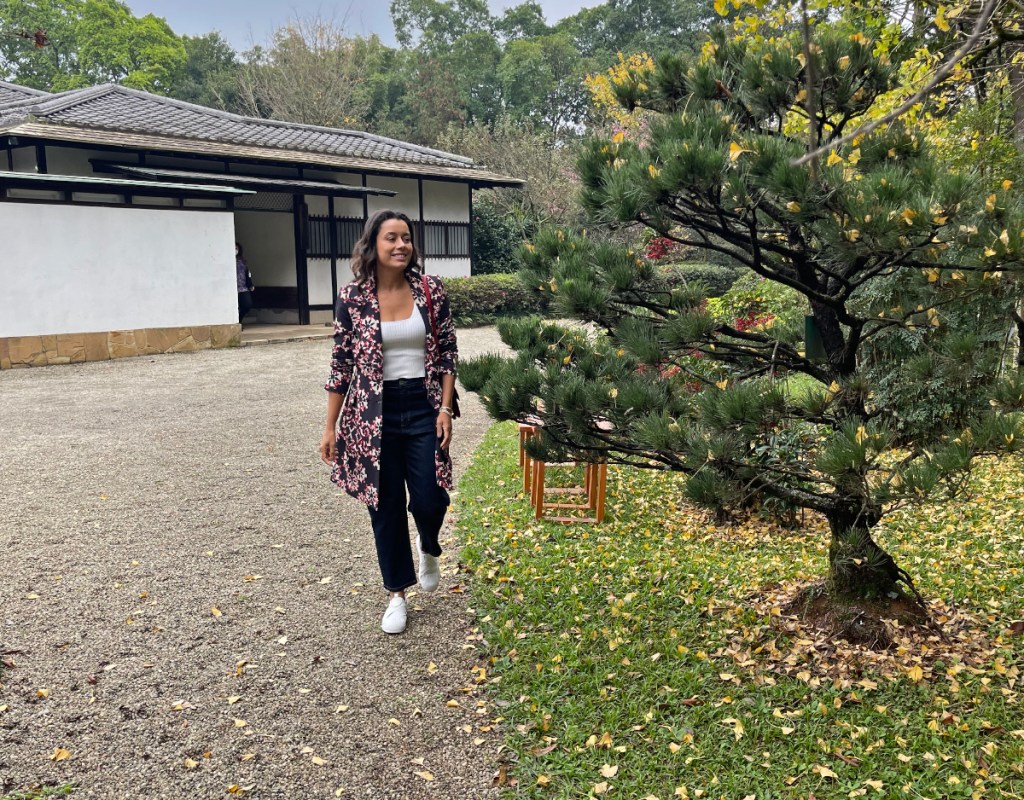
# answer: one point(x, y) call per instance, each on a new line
point(357, 371)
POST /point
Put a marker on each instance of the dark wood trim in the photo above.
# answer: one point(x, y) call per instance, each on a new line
point(92, 204)
point(366, 200)
point(321, 307)
point(470, 190)
point(300, 214)
point(41, 159)
point(422, 235)
point(333, 249)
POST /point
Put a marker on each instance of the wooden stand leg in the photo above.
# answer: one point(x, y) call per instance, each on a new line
point(538, 489)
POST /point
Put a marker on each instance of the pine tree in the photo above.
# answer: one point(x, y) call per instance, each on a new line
point(891, 388)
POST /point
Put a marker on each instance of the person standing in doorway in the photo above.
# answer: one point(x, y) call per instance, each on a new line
point(390, 403)
point(244, 280)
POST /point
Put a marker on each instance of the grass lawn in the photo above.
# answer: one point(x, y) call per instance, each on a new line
point(650, 657)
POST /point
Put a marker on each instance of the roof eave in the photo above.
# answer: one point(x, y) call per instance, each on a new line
point(169, 145)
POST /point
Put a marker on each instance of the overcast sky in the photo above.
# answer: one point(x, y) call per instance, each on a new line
point(247, 22)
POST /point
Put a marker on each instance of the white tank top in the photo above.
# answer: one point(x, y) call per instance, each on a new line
point(405, 347)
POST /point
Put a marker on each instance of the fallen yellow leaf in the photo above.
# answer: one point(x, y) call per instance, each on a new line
point(216, 612)
point(426, 775)
point(609, 771)
point(60, 754)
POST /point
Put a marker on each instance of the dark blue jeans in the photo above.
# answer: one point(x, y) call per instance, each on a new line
point(409, 441)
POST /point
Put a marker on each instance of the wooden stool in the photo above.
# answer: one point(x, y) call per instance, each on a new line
point(526, 431)
point(592, 493)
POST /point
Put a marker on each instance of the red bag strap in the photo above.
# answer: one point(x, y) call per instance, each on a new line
point(430, 307)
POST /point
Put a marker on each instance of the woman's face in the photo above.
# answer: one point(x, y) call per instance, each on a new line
point(394, 245)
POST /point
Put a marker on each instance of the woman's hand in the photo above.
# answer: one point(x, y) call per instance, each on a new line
point(329, 448)
point(444, 429)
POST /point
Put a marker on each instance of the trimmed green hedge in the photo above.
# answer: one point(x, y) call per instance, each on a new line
point(481, 299)
point(719, 279)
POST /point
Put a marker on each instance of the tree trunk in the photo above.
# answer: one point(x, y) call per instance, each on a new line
point(858, 567)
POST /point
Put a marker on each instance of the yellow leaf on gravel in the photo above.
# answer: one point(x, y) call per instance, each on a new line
point(60, 754)
point(318, 761)
point(190, 764)
point(216, 612)
point(247, 757)
point(431, 667)
point(42, 693)
point(240, 723)
point(340, 709)
point(427, 776)
point(394, 722)
point(452, 704)
point(235, 789)
point(233, 699)
point(609, 771)
point(328, 579)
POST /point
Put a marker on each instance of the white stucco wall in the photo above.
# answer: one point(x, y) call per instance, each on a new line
point(69, 161)
point(444, 201)
point(318, 272)
point(113, 269)
point(269, 243)
point(448, 267)
point(407, 200)
point(24, 159)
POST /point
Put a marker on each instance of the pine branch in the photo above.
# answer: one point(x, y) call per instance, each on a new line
point(940, 75)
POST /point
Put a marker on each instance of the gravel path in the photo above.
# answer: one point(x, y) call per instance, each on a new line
point(190, 606)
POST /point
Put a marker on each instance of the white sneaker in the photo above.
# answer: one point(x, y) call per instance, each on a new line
point(430, 571)
point(395, 616)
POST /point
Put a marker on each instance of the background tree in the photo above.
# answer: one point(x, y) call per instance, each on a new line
point(542, 79)
point(527, 152)
point(881, 238)
point(89, 42)
point(210, 74)
point(524, 21)
point(310, 74)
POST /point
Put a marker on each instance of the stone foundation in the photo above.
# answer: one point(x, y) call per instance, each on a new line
point(75, 348)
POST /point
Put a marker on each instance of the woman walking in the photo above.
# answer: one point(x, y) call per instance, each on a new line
point(389, 403)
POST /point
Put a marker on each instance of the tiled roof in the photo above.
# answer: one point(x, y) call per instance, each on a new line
point(116, 108)
point(11, 92)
